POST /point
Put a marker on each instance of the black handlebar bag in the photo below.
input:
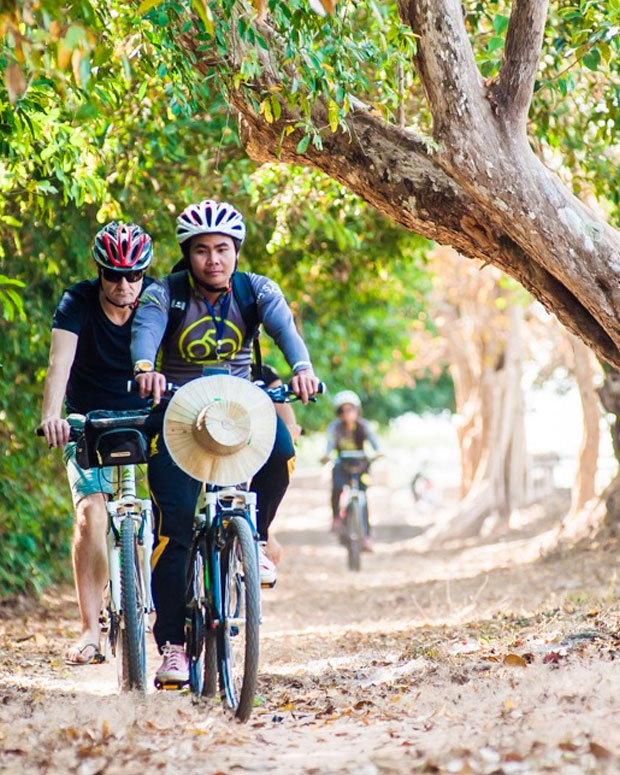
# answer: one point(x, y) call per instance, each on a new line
point(112, 439)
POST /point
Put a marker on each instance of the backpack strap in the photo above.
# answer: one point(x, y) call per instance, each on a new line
point(178, 285)
point(245, 296)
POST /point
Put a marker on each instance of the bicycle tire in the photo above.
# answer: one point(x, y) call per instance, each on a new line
point(353, 528)
point(199, 635)
point(133, 626)
point(238, 631)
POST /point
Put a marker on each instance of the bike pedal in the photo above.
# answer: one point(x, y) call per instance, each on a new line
point(170, 686)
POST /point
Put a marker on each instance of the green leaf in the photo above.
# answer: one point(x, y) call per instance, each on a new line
point(147, 5)
point(276, 107)
point(592, 59)
point(500, 23)
point(303, 144)
point(202, 9)
point(266, 110)
point(333, 113)
point(494, 44)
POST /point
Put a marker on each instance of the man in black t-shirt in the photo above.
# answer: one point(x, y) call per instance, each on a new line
point(89, 365)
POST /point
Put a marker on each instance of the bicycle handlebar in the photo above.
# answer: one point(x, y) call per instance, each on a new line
point(74, 433)
point(283, 394)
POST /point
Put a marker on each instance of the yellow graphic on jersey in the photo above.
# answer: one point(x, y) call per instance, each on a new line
point(198, 342)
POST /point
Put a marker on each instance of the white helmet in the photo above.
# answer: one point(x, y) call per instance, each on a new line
point(346, 397)
point(210, 217)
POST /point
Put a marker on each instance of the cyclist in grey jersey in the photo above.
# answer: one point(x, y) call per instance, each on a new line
point(188, 350)
point(211, 331)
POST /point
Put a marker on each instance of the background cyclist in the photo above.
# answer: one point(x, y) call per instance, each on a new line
point(210, 333)
point(349, 432)
point(89, 365)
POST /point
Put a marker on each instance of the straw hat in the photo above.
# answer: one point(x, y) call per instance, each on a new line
point(220, 429)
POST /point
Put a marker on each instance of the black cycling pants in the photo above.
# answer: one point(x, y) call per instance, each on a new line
point(174, 495)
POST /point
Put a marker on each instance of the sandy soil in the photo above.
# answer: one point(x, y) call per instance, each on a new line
point(478, 659)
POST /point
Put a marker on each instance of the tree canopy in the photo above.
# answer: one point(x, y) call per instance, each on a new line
point(419, 109)
point(422, 108)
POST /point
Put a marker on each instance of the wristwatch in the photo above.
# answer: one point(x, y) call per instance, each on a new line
point(142, 367)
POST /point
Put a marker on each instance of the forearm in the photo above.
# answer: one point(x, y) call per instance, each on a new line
point(62, 353)
point(277, 319)
point(54, 391)
point(149, 322)
point(147, 332)
point(286, 413)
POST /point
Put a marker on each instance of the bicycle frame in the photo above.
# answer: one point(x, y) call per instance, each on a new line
point(126, 505)
point(352, 490)
point(219, 506)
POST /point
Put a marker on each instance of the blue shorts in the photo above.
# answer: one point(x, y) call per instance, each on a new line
point(86, 481)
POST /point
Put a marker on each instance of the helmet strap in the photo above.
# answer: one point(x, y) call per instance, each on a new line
point(211, 288)
point(132, 304)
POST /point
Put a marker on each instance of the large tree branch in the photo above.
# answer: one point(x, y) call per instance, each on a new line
point(481, 193)
point(445, 63)
point(393, 171)
point(512, 92)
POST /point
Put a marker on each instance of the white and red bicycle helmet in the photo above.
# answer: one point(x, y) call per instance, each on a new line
point(124, 247)
point(210, 217)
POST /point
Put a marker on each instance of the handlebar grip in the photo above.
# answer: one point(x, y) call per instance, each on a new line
point(74, 433)
point(132, 387)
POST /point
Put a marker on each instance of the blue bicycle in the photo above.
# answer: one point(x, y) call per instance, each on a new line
point(223, 594)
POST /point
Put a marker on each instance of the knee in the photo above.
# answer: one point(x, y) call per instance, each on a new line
point(91, 517)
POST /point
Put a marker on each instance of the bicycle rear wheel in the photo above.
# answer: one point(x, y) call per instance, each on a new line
point(354, 531)
point(238, 632)
point(132, 624)
point(199, 636)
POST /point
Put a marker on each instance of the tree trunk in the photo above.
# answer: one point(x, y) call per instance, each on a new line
point(584, 486)
point(491, 434)
point(609, 393)
point(480, 188)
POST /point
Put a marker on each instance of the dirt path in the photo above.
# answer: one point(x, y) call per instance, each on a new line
point(475, 660)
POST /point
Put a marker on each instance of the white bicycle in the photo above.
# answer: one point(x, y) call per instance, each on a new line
point(117, 440)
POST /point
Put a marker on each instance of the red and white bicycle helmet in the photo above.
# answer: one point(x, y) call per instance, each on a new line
point(210, 217)
point(124, 247)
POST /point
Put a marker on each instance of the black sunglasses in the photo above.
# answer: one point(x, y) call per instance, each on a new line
point(114, 276)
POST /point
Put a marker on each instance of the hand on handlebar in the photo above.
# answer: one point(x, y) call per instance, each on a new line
point(56, 431)
point(305, 384)
point(151, 383)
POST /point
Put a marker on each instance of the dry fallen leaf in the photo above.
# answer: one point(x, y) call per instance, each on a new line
point(15, 82)
point(600, 751)
point(514, 660)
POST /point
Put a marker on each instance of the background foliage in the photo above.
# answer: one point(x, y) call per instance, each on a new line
point(105, 113)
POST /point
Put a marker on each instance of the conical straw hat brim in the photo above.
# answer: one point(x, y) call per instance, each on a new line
point(192, 457)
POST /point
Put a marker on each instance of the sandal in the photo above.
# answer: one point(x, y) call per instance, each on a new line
point(95, 658)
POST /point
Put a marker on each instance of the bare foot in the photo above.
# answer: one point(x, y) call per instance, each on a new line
point(85, 651)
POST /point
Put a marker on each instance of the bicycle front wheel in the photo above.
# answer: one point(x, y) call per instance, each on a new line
point(133, 625)
point(354, 531)
point(199, 635)
point(237, 633)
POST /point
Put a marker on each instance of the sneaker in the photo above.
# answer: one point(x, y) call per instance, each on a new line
point(266, 568)
point(175, 666)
